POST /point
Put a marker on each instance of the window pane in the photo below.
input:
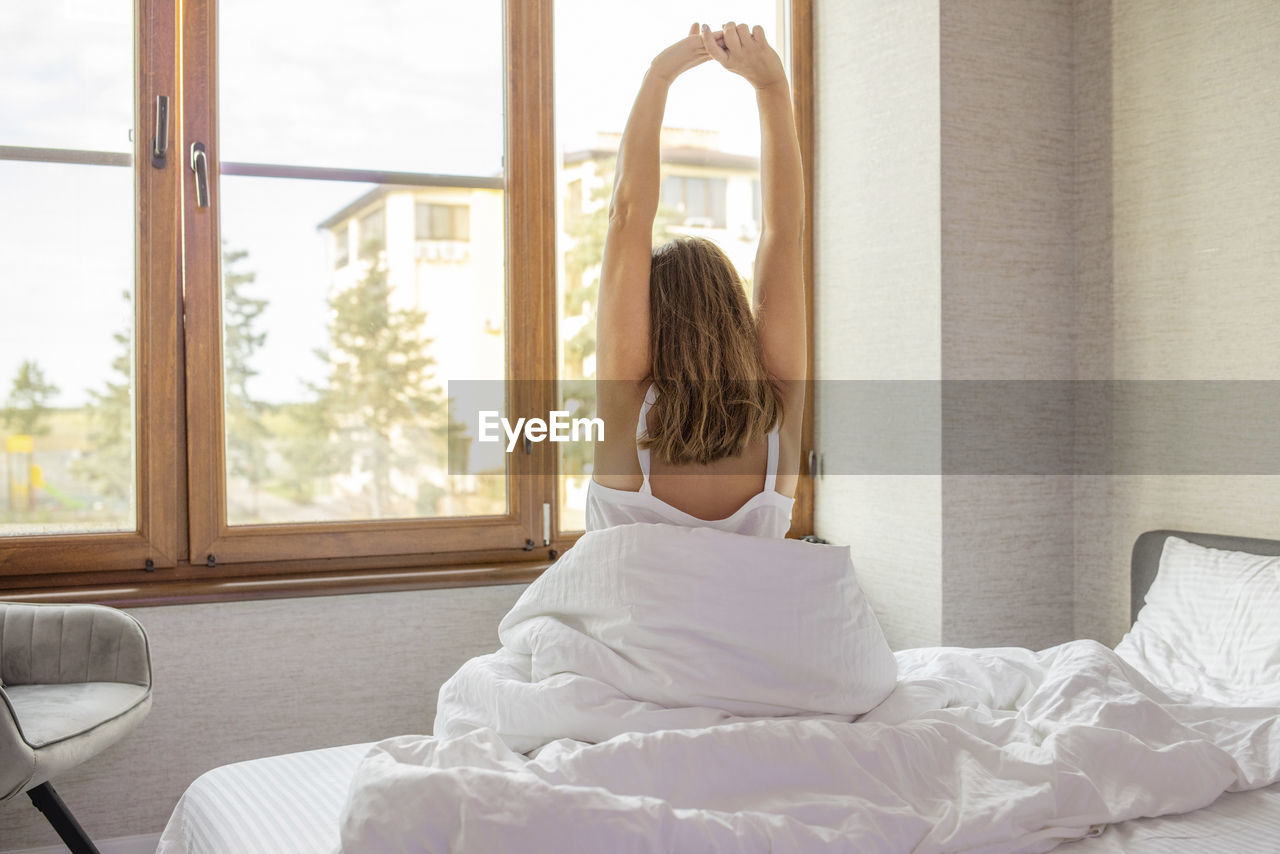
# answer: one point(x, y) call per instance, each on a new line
point(716, 191)
point(349, 307)
point(696, 205)
point(710, 159)
point(67, 422)
point(335, 377)
point(372, 233)
point(66, 75)
point(397, 86)
point(442, 222)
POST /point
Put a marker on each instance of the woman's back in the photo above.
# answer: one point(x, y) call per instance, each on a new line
point(745, 494)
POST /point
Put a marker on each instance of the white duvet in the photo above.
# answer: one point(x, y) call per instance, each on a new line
point(558, 743)
point(643, 627)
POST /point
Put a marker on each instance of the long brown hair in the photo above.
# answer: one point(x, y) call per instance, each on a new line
point(714, 394)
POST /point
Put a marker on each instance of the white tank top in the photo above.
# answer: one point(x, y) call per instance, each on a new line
point(765, 514)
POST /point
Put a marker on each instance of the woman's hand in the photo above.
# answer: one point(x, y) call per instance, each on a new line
point(744, 51)
point(689, 52)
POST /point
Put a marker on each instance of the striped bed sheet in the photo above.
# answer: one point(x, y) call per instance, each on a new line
point(286, 804)
point(1236, 823)
point(290, 804)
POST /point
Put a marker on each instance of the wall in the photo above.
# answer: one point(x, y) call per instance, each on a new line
point(943, 222)
point(878, 238)
point(1087, 190)
point(1007, 296)
point(236, 681)
point(1196, 216)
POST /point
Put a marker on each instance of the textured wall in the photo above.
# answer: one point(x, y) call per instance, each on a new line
point(1101, 595)
point(1108, 210)
point(236, 681)
point(1196, 295)
point(877, 238)
point(944, 251)
point(1007, 286)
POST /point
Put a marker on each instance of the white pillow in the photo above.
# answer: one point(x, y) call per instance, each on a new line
point(1211, 625)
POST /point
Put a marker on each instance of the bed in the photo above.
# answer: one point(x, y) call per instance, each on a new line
point(315, 801)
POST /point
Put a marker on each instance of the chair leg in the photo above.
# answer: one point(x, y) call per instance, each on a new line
point(73, 835)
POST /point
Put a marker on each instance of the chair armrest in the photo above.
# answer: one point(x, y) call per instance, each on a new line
point(59, 644)
point(17, 761)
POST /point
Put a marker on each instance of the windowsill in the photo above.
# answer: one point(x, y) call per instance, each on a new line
point(188, 591)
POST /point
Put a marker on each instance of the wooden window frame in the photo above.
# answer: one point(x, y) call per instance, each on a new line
point(45, 561)
point(183, 550)
point(213, 542)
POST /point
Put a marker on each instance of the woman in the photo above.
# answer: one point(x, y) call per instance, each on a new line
point(716, 392)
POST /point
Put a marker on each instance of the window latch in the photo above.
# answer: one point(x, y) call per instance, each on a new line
point(200, 166)
point(160, 143)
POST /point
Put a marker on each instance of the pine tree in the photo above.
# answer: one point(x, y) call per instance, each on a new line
point(108, 465)
point(378, 394)
point(246, 434)
point(304, 433)
point(26, 406)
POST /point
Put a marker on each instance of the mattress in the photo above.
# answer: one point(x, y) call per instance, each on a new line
point(278, 805)
point(290, 805)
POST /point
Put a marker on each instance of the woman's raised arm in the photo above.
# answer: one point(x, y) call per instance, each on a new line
point(779, 276)
point(622, 330)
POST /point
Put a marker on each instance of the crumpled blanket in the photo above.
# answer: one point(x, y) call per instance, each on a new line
point(641, 628)
point(589, 731)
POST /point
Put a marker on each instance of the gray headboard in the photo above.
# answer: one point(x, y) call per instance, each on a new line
point(1148, 547)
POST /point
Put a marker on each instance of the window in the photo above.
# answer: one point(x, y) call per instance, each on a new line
point(86, 241)
point(373, 234)
point(573, 210)
point(697, 200)
point(341, 246)
point(284, 417)
point(442, 222)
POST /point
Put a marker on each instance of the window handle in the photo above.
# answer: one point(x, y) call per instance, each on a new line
point(200, 166)
point(160, 143)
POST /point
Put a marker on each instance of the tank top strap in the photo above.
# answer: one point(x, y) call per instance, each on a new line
point(771, 468)
point(642, 430)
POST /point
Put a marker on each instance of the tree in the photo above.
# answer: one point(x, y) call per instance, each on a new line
point(246, 434)
point(304, 431)
point(378, 389)
point(108, 466)
point(28, 396)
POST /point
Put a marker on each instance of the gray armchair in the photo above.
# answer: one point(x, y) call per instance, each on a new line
point(74, 679)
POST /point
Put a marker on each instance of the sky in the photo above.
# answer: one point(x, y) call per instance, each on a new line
point(403, 85)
